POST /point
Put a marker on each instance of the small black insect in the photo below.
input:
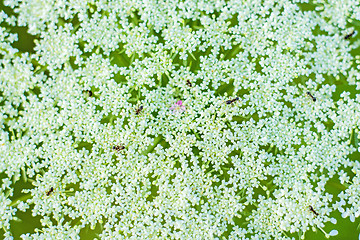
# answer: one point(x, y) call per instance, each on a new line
point(139, 110)
point(312, 97)
point(89, 92)
point(118, 148)
point(313, 211)
point(349, 35)
point(50, 191)
point(188, 83)
point(232, 100)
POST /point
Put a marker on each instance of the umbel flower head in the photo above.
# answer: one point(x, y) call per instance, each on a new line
point(94, 142)
point(178, 107)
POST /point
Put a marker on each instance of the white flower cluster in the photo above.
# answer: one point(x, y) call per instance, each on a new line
point(173, 119)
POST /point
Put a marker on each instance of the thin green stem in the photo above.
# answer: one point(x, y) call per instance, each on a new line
point(356, 139)
point(196, 134)
point(285, 233)
point(75, 28)
point(24, 174)
point(192, 55)
point(351, 136)
point(20, 199)
point(132, 58)
point(151, 148)
point(269, 149)
point(325, 233)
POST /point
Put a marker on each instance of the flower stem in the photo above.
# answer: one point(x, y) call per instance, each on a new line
point(20, 199)
point(151, 148)
point(325, 233)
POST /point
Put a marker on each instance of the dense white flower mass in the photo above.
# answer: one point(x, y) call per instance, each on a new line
point(179, 119)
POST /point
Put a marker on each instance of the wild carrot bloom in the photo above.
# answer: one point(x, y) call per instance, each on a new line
point(92, 142)
point(178, 107)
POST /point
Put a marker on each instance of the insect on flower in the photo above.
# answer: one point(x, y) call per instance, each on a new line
point(139, 110)
point(188, 83)
point(89, 92)
point(313, 211)
point(118, 147)
point(50, 191)
point(232, 100)
point(312, 97)
point(349, 35)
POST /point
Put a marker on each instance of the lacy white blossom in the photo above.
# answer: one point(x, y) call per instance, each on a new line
point(179, 119)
